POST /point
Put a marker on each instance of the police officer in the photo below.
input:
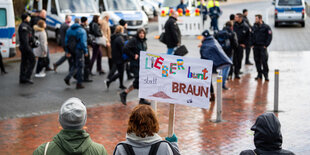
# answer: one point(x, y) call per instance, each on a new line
point(243, 34)
point(248, 46)
point(28, 61)
point(262, 36)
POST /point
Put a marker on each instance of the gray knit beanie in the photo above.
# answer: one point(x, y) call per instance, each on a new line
point(72, 114)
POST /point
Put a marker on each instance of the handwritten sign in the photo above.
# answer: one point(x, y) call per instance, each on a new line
point(175, 79)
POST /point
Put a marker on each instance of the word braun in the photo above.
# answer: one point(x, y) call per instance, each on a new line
point(194, 90)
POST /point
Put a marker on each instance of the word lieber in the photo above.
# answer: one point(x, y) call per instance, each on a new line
point(182, 88)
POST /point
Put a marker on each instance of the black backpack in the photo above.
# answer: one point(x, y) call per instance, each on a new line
point(71, 44)
point(223, 38)
point(153, 150)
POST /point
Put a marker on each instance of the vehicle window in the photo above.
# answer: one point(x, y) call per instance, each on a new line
point(77, 6)
point(122, 5)
point(53, 7)
point(3, 20)
point(289, 2)
point(173, 3)
point(45, 4)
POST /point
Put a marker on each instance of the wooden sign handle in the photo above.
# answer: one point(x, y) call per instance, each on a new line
point(171, 120)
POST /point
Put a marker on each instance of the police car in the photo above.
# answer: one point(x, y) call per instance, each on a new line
point(7, 29)
point(289, 11)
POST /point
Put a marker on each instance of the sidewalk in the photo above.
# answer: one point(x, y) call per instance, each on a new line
point(197, 134)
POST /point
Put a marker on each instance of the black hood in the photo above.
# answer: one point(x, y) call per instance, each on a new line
point(267, 134)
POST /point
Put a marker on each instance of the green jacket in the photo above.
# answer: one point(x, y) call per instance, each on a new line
point(68, 142)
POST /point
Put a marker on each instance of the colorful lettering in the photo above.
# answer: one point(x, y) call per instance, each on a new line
point(146, 64)
point(172, 68)
point(165, 71)
point(158, 61)
point(180, 63)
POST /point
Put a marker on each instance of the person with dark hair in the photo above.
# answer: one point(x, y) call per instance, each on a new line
point(133, 48)
point(267, 137)
point(262, 36)
point(117, 43)
point(172, 33)
point(243, 33)
point(63, 30)
point(142, 135)
point(41, 51)
point(182, 6)
point(26, 39)
point(72, 139)
point(86, 74)
point(94, 29)
point(248, 46)
point(202, 6)
point(232, 17)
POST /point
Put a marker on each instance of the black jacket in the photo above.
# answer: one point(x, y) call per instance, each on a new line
point(63, 30)
point(94, 29)
point(133, 47)
point(262, 35)
point(267, 137)
point(25, 33)
point(172, 33)
point(246, 20)
point(117, 44)
point(243, 32)
point(35, 19)
point(233, 41)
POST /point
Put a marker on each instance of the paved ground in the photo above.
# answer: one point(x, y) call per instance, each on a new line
point(107, 117)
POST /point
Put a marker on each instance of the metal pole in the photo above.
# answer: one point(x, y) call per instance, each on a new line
point(276, 91)
point(219, 99)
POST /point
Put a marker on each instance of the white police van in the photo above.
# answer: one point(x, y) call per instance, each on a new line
point(290, 11)
point(58, 9)
point(128, 10)
point(7, 29)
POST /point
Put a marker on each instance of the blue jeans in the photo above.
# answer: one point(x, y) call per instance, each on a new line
point(225, 73)
point(77, 67)
point(170, 50)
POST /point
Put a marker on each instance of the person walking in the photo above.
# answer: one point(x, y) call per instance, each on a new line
point(243, 34)
point(267, 137)
point(142, 135)
point(72, 139)
point(63, 30)
point(76, 49)
point(41, 51)
point(133, 49)
point(106, 32)
point(262, 37)
point(86, 73)
point(214, 13)
point(172, 33)
point(26, 40)
point(201, 5)
point(94, 29)
point(248, 46)
point(117, 43)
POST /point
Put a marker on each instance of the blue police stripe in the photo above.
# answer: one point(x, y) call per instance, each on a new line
point(128, 17)
point(7, 32)
point(289, 9)
point(53, 23)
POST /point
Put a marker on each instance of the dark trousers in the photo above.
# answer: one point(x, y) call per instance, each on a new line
point(110, 62)
point(77, 67)
point(1, 63)
point(61, 60)
point(41, 64)
point(261, 60)
point(128, 72)
point(97, 55)
point(238, 56)
point(27, 65)
point(86, 67)
point(135, 71)
point(214, 23)
point(120, 73)
point(247, 54)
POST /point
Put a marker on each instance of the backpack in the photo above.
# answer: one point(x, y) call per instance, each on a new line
point(72, 44)
point(153, 151)
point(223, 39)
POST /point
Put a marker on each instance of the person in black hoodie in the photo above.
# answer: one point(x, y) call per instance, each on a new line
point(117, 43)
point(267, 137)
point(133, 49)
point(243, 33)
point(172, 33)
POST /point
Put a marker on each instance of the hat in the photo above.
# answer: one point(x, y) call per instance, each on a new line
point(83, 19)
point(122, 22)
point(24, 16)
point(205, 33)
point(72, 114)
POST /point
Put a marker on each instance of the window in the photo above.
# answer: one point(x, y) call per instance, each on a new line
point(77, 6)
point(289, 2)
point(3, 20)
point(122, 5)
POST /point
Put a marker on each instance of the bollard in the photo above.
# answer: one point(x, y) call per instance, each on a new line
point(276, 91)
point(219, 82)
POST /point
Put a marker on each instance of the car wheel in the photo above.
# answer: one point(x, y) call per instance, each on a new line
point(302, 24)
point(58, 37)
point(276, 24)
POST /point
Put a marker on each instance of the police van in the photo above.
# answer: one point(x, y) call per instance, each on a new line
point(289, 11)
point(58, 9)
point(7, 29)
point(128, 10)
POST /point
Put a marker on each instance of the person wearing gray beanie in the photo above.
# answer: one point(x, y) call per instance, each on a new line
point(72, 139)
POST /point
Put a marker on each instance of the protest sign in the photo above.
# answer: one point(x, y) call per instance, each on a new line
point(175, 79)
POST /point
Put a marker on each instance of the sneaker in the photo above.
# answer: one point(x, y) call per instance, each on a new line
point(144, 101)
point(123, 97)
point(122, 87)
point(107, 83)
point(259, 77)
point(79, 86)
point(225, 88)
point(40, 75)
point(55, 67)
point(67, 81)
point(248, 63)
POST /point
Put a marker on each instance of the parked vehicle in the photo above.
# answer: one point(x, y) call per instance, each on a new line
point(7, 29)
point(290, 11)
point(148, 9)
point(128, 10)
point(58, 9)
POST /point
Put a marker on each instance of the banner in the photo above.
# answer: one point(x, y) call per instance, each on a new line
point(175, 79)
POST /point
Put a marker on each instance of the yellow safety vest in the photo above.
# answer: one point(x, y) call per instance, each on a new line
point(198, 3)
point(211, 4)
